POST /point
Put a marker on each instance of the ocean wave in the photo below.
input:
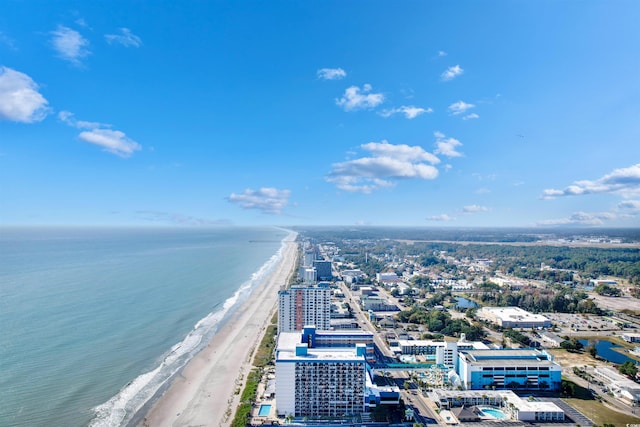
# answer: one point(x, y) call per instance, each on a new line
point(123, 406)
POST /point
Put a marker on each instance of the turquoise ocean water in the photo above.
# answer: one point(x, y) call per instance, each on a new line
point(94, 321)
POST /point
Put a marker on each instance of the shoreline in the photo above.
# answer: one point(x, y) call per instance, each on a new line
point(203, 392)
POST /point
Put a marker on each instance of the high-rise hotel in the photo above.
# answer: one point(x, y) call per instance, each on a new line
point(301, 306)
point(319, 382)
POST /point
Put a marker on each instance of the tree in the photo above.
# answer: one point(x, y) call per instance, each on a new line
point(572, 345)
point(628, 368)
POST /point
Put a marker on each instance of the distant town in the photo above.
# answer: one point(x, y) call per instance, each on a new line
point(453, 327)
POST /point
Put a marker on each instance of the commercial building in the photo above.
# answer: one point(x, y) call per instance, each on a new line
point(352, 276)
point(524, 369)
point(304, 305)
point(507, 401)
point(550, 339)
point(630, 337)
point(622, 387)
point(377, 303)
point(444, 352)
point(513, 317)
point(387, 277)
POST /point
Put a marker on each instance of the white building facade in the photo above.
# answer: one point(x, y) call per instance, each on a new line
point(320, 382)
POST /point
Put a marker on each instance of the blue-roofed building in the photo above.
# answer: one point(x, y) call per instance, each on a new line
point(523, 369)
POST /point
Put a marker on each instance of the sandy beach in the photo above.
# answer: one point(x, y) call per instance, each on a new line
point(203, 395)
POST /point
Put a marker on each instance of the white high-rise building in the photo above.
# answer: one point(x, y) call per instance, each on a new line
point(300, 306)
point(319, 382)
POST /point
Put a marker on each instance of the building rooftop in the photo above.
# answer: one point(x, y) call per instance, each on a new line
point(508, 357)
point(320, 354)
point(514, 314)
point(427, 343)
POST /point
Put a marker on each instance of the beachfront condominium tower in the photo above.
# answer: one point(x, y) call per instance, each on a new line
point(323, 269)
point(305, 305)
point(319, 382)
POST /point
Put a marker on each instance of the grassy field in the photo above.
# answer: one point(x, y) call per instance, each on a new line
point(600, 414)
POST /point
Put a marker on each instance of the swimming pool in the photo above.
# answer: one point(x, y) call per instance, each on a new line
point(492, 413)
point(264, 411)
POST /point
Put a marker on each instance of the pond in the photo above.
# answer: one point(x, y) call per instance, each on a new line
point(465, 303)
point(606, 350)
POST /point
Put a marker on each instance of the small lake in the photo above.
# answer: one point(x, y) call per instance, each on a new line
point(465, 303)
point(606, 351)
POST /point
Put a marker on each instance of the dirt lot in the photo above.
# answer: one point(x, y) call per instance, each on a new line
point(569, 360)
point(616, 304)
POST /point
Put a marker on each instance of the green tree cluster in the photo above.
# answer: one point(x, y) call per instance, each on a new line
point(628, 368)
point(438, 321)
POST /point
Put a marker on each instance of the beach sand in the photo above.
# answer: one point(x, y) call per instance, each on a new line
point(204, 393)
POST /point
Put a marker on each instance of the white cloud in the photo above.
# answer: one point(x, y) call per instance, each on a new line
point(581, 218)
point(446, 146)
point(69, 44)
point(20, 100)
point(401, 152)
point(474, 209)
point(629, 206)
point(442, 218)
point(355, 99)
point(624, 181)
point(331, 73)
point(112, 141)
point(451, 73)
point(409, 111)
point(68, 118)
point(267, 199)
point(459, 107)
point(483, 191)
point(81, 22)
point(471, 116)
point(387, 163)
point(126, 38)
point(442, 53)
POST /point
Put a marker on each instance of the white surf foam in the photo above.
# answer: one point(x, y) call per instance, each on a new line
point(123, 406)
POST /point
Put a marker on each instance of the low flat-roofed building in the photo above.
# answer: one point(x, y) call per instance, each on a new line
point(376, 303)
point(631, 337)
point(337, 324)
point(550, 339)
point(514, 317)
point(524, 369)
point(508, 402)
point(622, 387)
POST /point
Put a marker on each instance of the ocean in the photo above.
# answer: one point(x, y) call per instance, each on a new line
point(94, 320)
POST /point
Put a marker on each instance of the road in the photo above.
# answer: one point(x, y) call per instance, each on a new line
point(363, 320)
point(612, 402)
point(423, 413)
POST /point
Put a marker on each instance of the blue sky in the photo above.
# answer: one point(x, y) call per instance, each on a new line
point(416, 113)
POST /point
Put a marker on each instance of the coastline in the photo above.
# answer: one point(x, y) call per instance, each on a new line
point(203, 392)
